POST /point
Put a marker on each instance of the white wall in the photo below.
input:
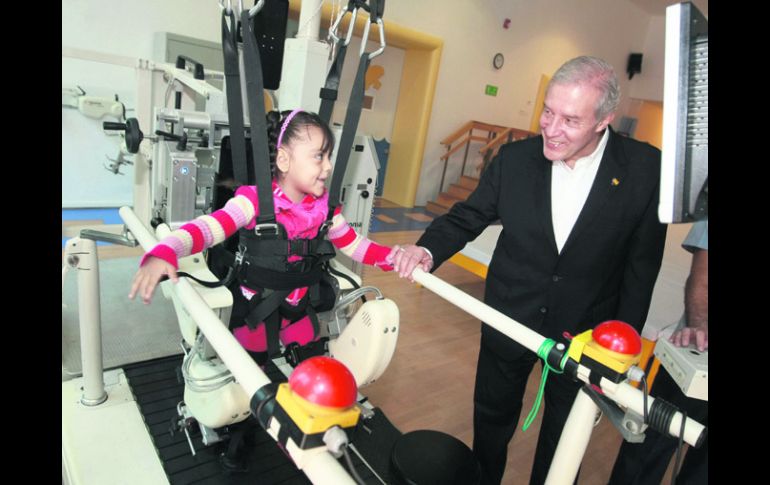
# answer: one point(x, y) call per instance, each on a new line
point(120, 28)
point(648, 84)
point(379, 121)
point(541, 36)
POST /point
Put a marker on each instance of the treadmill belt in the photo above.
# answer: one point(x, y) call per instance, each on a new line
point(158, 388)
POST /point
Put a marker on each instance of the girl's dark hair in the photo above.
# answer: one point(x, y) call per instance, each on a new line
point(301, 120)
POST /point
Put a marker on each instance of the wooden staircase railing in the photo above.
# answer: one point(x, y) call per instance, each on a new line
point(511, 134)
point(453, 142)
point(495, 136)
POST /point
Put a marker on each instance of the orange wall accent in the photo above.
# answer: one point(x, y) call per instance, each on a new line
point(649, 127)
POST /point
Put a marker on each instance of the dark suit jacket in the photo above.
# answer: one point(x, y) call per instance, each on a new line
point(608, 265)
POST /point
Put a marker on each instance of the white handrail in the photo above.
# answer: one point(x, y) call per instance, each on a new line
point(624, 394)
point(320, 468)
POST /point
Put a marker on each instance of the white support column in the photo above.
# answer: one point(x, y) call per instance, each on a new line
point(144, 103)
point(81, 255)
point(573, 441)
point(305, 62)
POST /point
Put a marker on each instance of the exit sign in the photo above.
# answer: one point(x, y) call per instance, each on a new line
point(491, 90)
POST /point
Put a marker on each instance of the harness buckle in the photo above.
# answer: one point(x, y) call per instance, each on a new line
point(239, 255)
point(259, 228)
point(299, 247)
point(325, 227)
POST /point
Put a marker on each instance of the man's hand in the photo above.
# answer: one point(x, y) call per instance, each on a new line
point(681, 338)
point(406, 258)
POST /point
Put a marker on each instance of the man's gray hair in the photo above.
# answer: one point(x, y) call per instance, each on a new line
point(594, 71)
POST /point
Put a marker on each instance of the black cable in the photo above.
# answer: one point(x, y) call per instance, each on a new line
point(661, 414)
point(644, 384)
point(343, 275)
point(677, 463)
point(352, 469)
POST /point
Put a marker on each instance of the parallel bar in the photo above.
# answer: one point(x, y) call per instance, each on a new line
point(495, 319)
point(624, 394)
point(320, 468)
point(632, 398)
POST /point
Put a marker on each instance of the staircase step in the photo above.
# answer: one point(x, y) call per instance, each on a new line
point(447, 200)
point(434, 208)
point(468, 182)
point(459, 191)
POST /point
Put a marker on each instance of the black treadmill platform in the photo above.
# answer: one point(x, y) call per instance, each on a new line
point(158, 390)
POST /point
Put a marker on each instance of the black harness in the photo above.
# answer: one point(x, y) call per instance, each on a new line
point(266, 260)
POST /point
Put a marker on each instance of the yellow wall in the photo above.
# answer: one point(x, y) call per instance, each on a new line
point(534, 125)
point(649, 126)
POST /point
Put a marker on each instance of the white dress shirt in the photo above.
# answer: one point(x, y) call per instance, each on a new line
point(569, 190)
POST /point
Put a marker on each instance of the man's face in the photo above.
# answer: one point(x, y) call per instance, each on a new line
point(568, 124)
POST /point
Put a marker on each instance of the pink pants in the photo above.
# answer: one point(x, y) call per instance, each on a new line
point(256, 340)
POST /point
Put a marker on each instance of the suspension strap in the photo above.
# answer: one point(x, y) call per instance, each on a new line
point(349, 129)
point(234, 100)
point(329, 92)
point(353, 114)
point(256, 103)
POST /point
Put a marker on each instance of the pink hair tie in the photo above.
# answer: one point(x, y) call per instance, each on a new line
point(285, 124)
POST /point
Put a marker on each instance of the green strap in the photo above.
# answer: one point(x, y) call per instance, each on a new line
point(542, 352)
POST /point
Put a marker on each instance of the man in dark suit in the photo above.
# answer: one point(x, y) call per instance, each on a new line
point(581, 244)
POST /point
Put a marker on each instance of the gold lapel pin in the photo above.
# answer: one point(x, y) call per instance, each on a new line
point(615, 182)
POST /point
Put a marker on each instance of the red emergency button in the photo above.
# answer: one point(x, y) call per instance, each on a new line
point(324, 381)
point(618, 336)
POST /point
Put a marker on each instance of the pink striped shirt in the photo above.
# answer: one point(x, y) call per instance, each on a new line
point(301, 220)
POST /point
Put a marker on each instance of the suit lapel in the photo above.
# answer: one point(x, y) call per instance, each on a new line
point(609, 177)
point(540, 170)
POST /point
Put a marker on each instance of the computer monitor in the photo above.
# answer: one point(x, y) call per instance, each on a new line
point(684, 167)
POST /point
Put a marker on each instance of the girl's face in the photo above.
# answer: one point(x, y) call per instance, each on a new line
point(303, 166)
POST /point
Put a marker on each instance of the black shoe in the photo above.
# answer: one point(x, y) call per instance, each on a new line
point(230, 465)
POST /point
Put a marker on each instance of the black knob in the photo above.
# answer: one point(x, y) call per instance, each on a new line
point(134, 135)
point(365, 194)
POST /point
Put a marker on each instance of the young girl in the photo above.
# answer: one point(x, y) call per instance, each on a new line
point(300, 144)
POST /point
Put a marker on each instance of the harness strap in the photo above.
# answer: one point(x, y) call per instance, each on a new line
point(329, 92)
point(349, 128)
point(234, 100)
point(254, 90)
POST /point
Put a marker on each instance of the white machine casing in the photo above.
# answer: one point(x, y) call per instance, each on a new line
point(687, 366)
point(219, 407)
point(228, 404)
point(367, 343)
point(358, 188)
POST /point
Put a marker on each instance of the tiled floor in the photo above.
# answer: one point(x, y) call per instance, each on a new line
point(73, 220)
point(392, 217)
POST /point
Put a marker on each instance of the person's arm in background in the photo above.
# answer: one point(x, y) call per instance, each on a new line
point(696, 304)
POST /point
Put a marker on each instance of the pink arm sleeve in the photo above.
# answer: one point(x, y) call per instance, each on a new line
point(356, 246)
point(204, 231)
